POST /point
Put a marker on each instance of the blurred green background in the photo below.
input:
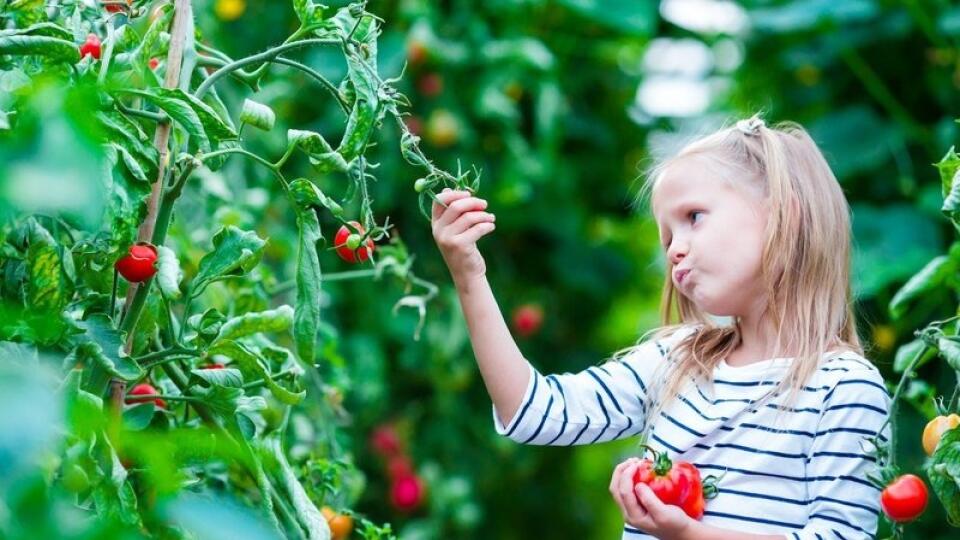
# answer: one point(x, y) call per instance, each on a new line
point(562, 103)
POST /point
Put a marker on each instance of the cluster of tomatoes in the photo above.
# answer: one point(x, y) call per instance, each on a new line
point(407, 490)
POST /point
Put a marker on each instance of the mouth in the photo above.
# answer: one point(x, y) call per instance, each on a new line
point(681, 275)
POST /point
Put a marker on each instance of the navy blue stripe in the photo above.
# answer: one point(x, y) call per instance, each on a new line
point(844, 454)
point(873, 511)
point(577, 438)
point(622, 431)
point(840, 521)
point(787, 477)
point(563, 426)
point(856, 381)
point(818, 536)
point(795, 536)
point(681, 426)
point(856, 406)
point(755, 451)
point(525, 406)
point(607, 390)
point(606, 417)
point(601, 368)
point(663, 353)
point(543, 420)
point(840, 536)
point(753, 519)
point(631, 530)
point(665, 443)
point(636, 376)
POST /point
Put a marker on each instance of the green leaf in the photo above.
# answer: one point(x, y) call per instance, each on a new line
point(275, 320)
point(948, 167)
point(321, 154)
point(250, 363)
point(40, 29)
point(102, 343)
point(906, 353)
point(235, 252)
point(950, 350)
point(309, 517)
point(199, 119)
point(943, 470)
point(930, 277)
point(636, 17)
point(308, 12)
point(137, 417)
point(257, 115)
point(48, 289)
point(55, 48)
point(207, 324)
point(219, 377)
point(309, 276)
point(169, 273)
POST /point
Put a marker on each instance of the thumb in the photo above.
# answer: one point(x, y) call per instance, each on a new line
point(648, 498)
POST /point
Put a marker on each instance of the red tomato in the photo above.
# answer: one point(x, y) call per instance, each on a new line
point(385, 441)
point(345, 236)
point(904, 499)
point(678, 483)
point(114, 8)
point(416, 52)
point(91, 46)
point(145, 389)
point(399, 466)
point(139, 263)
point(154, 63)
point(407, 493)
point(527, 319)
point(668, 485)
point(430, 84)
point(214, 365)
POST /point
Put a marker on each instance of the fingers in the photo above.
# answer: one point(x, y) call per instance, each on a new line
point(615, 478)
point(446, 196)
point(458, 202)
point(463, 221)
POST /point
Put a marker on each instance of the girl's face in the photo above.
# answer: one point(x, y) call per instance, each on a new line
point(713, 235)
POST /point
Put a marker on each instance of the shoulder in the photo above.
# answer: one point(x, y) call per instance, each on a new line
point(850, 376)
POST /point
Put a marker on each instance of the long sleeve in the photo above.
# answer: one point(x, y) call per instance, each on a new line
point(842, 502)
point(601, 403)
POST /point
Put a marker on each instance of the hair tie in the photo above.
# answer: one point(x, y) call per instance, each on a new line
point(751, 126)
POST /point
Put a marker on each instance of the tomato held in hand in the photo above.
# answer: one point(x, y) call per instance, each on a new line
point(676, 483)
point(139, 264)
point(934, 431)
point(91, 46)
point(145, 389)
point(904, 499)
point(348, 243)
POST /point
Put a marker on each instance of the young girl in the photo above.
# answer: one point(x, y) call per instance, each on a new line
point(780, 401)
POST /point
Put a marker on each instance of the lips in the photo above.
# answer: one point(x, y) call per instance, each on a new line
point(679, 275)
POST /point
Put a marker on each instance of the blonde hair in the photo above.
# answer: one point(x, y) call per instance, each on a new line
point(805, 263)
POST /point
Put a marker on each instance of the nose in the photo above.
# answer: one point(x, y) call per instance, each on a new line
point(677, 251)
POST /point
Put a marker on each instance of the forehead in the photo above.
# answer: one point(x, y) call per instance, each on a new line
point(683, 183)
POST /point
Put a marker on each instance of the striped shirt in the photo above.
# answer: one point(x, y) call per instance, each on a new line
point(805, 478)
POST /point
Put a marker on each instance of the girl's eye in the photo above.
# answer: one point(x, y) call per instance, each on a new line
point(694, 213)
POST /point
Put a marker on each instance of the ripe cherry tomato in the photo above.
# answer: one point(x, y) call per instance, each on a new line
point(904, 499)
point(144, 389)
point(399, 466)
point(340, 524)
point(114, 8)
point(385, 441)
point(91, 46)
point(348, 243)
point(214, 365)
point(154, 63)
point(139, 264)
point(934, 431)
point(407, 493)
point(430, 85)
point(527, 319)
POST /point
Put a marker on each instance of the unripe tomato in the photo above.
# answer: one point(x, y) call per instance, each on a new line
point(430, 84)
point(934, 431)
point(358, 253)
point(340, 524)
point(385, 441)
point(422, 184)
point(407, 493)
point(91, 46)
point(229, 10)
point(139, 264)
point(884, 336)
point(527, 319)
point(144, 389)
point(904, 499)
point(443, 128)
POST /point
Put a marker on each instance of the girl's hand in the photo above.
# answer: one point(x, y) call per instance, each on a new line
point(643, 510)
point(456, 230)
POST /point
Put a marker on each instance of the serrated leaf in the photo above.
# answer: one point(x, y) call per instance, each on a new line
point(235, 252)
point(169, 273)
point(274, 320)
point(257, 115)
